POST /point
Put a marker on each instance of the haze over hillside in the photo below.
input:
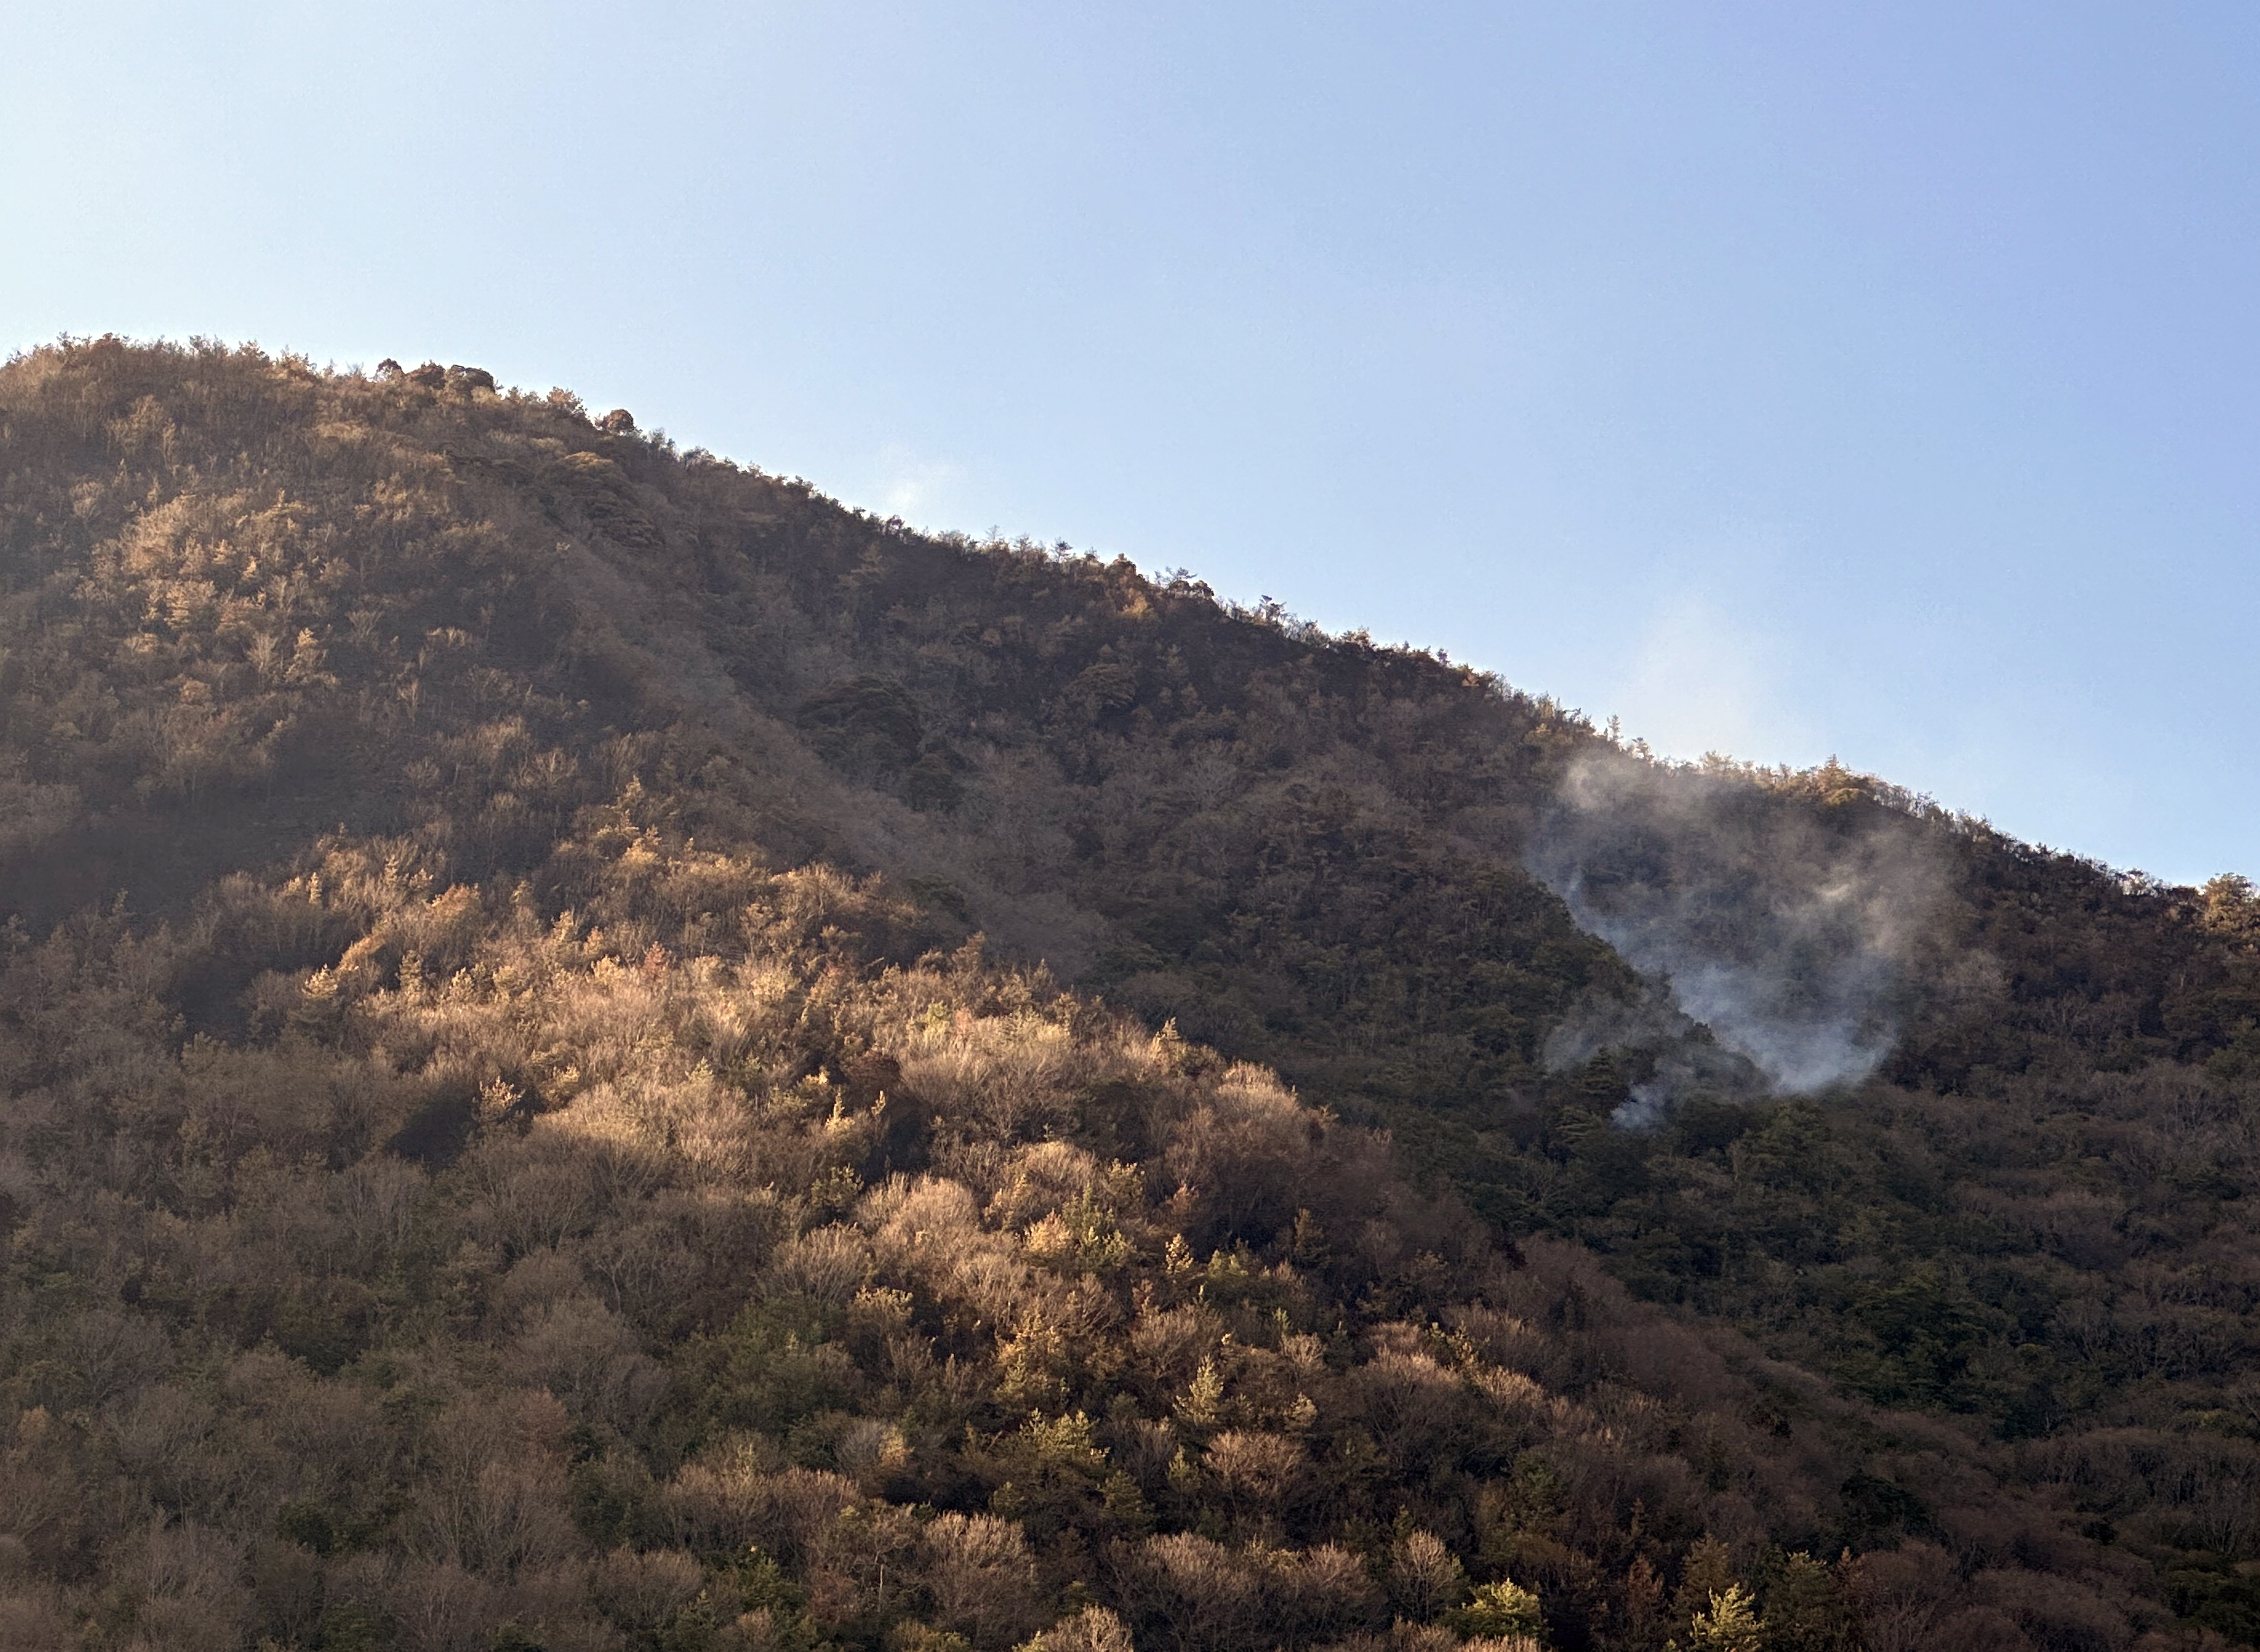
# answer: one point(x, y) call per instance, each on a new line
point(602, 1051)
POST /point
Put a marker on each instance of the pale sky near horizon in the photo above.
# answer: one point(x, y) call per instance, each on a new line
point(1881, 380)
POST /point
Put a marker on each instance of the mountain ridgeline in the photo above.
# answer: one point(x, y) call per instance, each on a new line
point(599, 1051)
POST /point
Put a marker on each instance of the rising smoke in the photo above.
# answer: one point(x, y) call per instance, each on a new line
point(1781, 922)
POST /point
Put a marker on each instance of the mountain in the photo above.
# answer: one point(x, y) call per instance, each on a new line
point(601, 1051)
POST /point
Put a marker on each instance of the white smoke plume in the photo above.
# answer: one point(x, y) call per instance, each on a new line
point(1780, 919)
point(1680, 1052)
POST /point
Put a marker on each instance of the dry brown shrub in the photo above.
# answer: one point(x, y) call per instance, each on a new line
point(1323, 1593)
point(437, 1605)
point(1424, 1577)
point(829, 1263)
point(1198, 1596)
point(587, 1356)
point(192, 1596)
point(1041, 1176)
point(32, 1617)
point(720, 1500)
point(982, 1576)
point(1255, 1468)
point(640, 1592)
point(1168, 1342)
point(1092, 1629)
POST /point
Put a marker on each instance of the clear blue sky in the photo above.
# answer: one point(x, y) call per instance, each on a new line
point(1786, 379)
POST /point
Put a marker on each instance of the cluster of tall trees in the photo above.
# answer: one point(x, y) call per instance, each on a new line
point(596, 1051)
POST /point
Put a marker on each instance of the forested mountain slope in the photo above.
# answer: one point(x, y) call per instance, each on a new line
point(600, 1051)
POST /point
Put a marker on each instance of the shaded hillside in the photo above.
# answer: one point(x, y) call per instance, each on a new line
point(500, 1068)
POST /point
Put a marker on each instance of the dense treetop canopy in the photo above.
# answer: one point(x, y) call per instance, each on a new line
point(600, 1051)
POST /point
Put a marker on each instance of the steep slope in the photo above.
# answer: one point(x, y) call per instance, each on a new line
point(538, 1115)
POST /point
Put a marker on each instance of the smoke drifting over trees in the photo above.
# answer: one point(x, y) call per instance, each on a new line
point(1787, 931)
point(534, 1113)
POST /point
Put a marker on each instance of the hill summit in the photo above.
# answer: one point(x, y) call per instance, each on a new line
point(601, 1051)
